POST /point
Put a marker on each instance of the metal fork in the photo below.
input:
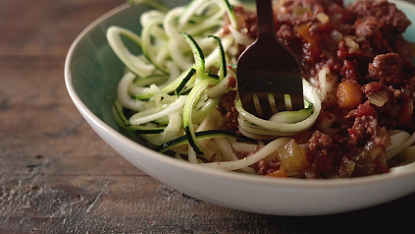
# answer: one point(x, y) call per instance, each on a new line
point(268, 74)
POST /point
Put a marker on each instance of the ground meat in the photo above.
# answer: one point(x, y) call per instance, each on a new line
point(389, 111)
point(321, 151)
point(286, 15)
point(372, 87)
point(386, 68)
point(391, 19)
point(287, 35)
point(362, 42)
point(405, 110)
point(349, 70)
point(368, 156)
point(410, 84)
point(339, 16)
point(263, 167)
point(362, 149)
point(227, 108)
point(248, 21)
point(363, 129)
point(369, 28)
point(372, 27)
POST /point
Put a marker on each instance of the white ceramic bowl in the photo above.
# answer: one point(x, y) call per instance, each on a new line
point(91, 73)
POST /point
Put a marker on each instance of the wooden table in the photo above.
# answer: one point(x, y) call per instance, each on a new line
point(58, 176)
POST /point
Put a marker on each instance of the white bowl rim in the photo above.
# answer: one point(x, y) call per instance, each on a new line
point(286, 182)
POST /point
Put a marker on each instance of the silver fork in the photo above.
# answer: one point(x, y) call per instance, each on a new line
point(268, 74)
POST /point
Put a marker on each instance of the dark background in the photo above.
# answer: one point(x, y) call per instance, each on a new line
point(58, 176)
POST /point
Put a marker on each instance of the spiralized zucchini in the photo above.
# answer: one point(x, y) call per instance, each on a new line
point(180, 49)
point(260, 127)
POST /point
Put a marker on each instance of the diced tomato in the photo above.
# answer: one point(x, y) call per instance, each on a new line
point(304, 31)
point(339, 14)
point(365, 110)
point(292, 157)
point(349, 94)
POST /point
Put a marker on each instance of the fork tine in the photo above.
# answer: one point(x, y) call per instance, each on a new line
point(280, 101)
point(273, 104)
point(265, 105)
point(297, 102)
point(270, 103)
point(248, 104)
point(268, 67)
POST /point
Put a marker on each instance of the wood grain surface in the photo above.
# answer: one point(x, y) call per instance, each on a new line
point(58, 176)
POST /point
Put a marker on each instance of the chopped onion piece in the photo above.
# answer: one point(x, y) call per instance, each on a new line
point(299, 10)
point(379, 98)
point(323, 18)
point(353, 46)
point(349, 165)
point(336, 35)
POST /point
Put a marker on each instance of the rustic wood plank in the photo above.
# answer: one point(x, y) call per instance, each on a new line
point(133, 204)
point(45, 27)
point(37, 117)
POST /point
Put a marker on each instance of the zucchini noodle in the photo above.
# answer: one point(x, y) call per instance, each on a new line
point(136, 64)
point(261, 154)
point(170, 93)
point(255, 125)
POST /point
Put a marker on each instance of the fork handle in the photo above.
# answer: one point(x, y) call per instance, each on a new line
point(265, 16)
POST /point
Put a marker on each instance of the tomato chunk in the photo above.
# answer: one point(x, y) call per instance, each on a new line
point(365, 110)
point(349, 94)
point(292, 157)
point(304, 31)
